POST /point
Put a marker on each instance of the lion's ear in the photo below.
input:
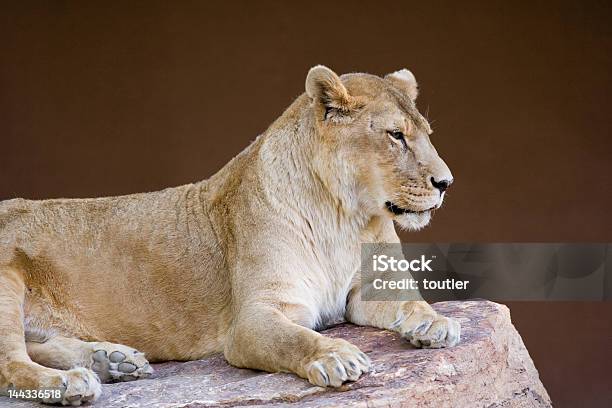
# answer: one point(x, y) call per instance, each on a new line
point(325, 87)
point(404, 80)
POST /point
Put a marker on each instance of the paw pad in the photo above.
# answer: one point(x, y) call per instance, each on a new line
point(127, 367)
point(116, 357)
point(115, 362)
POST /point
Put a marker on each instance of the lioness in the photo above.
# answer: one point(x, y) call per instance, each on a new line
point(248, 263)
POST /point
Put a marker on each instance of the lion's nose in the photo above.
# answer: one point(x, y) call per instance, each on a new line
point(441, 185)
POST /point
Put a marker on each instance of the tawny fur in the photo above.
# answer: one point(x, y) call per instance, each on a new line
point(247, 262)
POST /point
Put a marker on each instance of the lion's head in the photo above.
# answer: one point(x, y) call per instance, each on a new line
point(372, 128)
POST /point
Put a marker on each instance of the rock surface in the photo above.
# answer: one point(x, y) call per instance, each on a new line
point(489, 368)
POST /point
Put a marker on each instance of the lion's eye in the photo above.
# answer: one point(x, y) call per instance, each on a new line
point(396, 134)
point(398, 138)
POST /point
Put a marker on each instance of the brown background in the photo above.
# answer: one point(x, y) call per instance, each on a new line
point(107, 99)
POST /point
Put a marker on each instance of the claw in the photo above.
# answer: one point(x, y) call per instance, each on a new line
point(147, 370)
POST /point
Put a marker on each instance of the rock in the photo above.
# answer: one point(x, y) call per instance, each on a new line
point(489, 368)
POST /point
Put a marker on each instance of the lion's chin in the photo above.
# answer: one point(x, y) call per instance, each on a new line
point(413, 221)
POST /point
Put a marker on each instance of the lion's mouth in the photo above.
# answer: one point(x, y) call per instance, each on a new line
point(399, 210)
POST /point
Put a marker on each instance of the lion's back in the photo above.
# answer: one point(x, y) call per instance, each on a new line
point(13, 217)
point(36, 227)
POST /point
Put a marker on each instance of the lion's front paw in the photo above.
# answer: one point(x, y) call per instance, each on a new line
point(116, 362)
point(336, 363)
point(78, 386)
point(423, 327)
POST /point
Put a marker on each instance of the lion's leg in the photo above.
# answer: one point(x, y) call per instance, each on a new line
point(400, 311)
point(263, 337)
point(112, 362)
point(17, 370)
point(415, 320)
